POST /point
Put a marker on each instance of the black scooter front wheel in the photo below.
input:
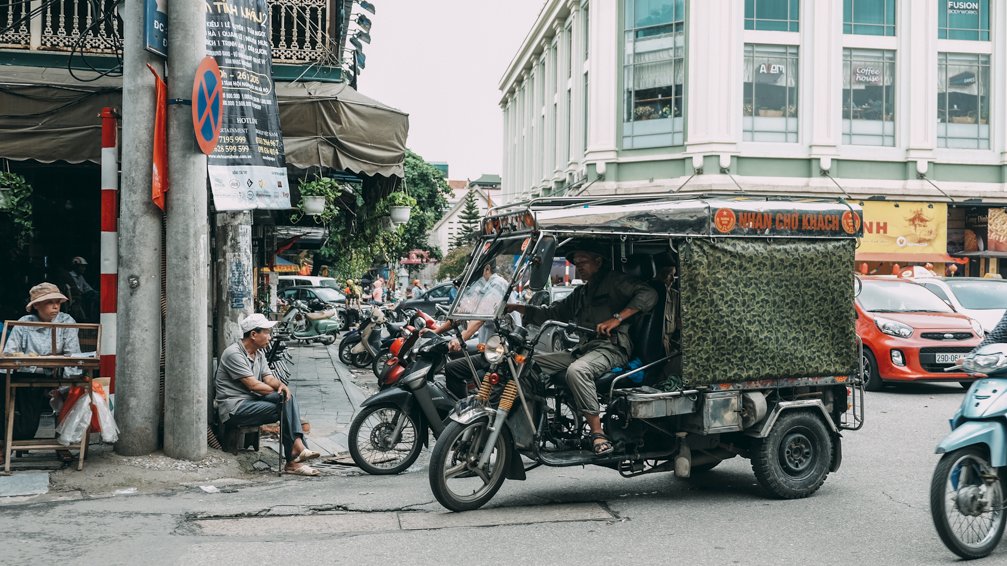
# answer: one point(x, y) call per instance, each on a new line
point(967, 503)
point(344, 350)
point(456, 479)
point(384, 440)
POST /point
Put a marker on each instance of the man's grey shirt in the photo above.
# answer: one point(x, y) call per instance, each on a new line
point(235, 365)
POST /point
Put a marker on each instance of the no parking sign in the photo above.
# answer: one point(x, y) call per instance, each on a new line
point(207, 104)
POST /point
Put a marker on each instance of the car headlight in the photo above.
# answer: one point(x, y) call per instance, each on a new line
point(977, 328)
point(494, 349)
point(893, 327)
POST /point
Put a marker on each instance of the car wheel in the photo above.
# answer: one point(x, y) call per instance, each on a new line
point(872, 379)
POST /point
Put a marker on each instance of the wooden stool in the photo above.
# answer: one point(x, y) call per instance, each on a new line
point(239, 438)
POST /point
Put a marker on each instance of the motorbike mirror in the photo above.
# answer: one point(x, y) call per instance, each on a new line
point(541, 263)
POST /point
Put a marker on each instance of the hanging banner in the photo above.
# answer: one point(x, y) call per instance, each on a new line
point(904, 228)
point(247, 168)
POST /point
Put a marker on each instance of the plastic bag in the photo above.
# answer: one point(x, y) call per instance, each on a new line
point(109, 431)
point(73, 428)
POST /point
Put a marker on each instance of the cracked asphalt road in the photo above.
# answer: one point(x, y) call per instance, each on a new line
point(873, 511)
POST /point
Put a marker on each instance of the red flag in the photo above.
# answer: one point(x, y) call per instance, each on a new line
point(159, 177)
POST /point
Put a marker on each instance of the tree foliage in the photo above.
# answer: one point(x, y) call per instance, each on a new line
point(360, 233)
point(468, 219)
point(454, 263)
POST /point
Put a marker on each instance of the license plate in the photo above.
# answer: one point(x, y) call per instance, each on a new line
point(947, 358)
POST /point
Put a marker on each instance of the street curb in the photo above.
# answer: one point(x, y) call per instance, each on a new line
point(354, 393)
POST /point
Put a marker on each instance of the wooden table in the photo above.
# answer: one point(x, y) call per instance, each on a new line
point(9, 365)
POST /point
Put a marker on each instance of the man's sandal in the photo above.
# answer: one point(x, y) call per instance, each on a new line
point(603, 448)
point(302, 470)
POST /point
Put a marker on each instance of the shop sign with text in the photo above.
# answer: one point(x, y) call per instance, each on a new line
point(904, 227)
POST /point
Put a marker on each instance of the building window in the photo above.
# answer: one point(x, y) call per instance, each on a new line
point(586, 12)
point(568, 38)
point(654, 73)
point(963, 19)
point(770, 93)
point(868, 97)
point(772, 15)
point(963, 100)
point(587, 112)
point(869, 17)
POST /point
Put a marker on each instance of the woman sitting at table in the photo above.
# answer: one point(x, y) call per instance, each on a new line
point(43, 304)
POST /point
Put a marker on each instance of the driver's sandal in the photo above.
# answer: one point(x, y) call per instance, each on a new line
point(603, 448)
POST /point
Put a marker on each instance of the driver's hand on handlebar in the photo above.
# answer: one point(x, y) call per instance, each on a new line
point(455, 346)
point(606, 328)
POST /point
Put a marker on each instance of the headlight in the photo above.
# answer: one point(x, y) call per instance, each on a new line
point(977, 328)
point(893, 327)
point(494, 349)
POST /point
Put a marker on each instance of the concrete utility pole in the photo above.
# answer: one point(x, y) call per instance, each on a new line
point(186, 361)
point(137, 368)
point(233, 255)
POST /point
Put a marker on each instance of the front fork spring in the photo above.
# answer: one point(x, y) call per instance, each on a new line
point(484, 390)
point(507, 397)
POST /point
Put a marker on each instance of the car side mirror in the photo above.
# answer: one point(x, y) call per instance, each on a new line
point(541, 263)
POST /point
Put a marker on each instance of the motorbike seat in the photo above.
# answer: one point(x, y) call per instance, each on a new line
point(647, 338)
point(319, 315)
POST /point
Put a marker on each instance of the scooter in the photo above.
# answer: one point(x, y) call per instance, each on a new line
point(388, 433)
point(309, 326)
point(967, 489)
point(400, 345)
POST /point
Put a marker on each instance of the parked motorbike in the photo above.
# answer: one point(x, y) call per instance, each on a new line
point(967, 489)
point(359, 347)
point(388, 433)
point(303, 324)
point(277, 357)
point(400, 345)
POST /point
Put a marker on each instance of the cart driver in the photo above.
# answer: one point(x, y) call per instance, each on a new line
point(605, 302)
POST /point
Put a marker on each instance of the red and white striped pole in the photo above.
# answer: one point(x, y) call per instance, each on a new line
point(109, 243)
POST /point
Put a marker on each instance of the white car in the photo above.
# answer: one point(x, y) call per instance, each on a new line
point(982, 299)
point(309, 280)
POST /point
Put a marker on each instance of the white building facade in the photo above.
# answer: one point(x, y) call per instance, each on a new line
point(885, 101)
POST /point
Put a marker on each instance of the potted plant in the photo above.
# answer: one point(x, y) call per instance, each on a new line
point(399, 206)
point(318, 197)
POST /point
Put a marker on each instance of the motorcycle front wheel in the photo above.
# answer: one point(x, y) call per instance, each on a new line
point(344, 350)
point(384, 440)
point(966, 503)
point(456, 479)
point(361, 360)
point(378, 365)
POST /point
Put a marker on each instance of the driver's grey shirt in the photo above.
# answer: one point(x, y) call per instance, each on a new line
point(595, 302)
point(235, 365)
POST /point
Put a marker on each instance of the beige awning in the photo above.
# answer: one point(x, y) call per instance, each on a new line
point(331, 124)
point(46, 115)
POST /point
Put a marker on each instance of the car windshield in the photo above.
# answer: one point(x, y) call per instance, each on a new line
point(329, 295)
point(488, 287)
point(899, 296)
point(980, 295)
point(330, 283)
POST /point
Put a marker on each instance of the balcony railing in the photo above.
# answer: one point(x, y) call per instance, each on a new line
point(300, 28)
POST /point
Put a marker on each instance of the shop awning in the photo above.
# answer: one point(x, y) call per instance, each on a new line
point(47, 115)
point(909, 257)
point(333, 125)
point(281, 265)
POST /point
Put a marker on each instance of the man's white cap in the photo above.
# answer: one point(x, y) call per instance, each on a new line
point(78, 261)
point(256, 320)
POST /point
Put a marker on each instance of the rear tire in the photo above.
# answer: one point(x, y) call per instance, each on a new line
point(872, 379)
point(793, 460)
point(373, 451)
point(378, 365)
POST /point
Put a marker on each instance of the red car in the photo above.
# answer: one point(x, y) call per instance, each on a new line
point(910, 334)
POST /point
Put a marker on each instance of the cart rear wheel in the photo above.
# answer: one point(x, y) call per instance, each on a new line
point(793, 461)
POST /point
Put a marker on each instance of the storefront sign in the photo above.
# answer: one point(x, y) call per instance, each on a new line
point(964, 8)
point(246, 168)
point(867, 75)
point(155, 29)
point(904, 228)
point(985, 230)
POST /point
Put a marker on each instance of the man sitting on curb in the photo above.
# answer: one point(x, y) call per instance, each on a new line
point(247, 393)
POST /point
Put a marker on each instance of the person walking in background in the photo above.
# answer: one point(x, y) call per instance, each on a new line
point(378, 292)
point(416, 291)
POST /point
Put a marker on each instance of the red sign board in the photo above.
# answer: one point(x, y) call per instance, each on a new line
point(207, 104)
